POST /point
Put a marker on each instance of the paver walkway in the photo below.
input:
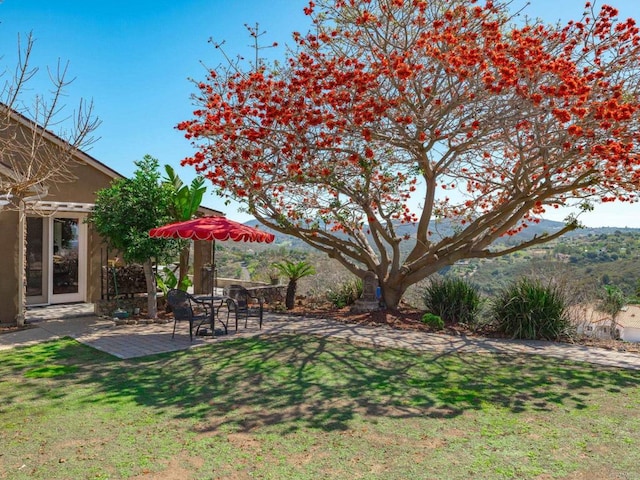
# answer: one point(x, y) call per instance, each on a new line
point(131, 341)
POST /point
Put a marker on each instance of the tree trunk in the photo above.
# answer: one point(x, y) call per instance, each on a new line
point(392, 292)
point(183, 270)
point(152, 297)
point(290, 299)
point(613, 326)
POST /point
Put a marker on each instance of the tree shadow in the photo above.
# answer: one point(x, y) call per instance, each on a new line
point(312, 382)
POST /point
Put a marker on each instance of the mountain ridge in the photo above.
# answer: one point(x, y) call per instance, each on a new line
point(545, 226)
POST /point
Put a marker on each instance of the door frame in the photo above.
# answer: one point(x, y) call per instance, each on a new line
point(48, 297)
point(80, 295)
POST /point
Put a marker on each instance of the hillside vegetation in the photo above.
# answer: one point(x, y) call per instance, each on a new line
point(582, 262)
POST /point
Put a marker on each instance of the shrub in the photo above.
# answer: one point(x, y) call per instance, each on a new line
point(345, 293)
point(434, 321)
point(454, 300)
point(529, 310)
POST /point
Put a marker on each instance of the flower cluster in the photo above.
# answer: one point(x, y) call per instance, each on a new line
point(386, 96)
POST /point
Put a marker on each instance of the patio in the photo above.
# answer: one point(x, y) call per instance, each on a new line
point(131, 341)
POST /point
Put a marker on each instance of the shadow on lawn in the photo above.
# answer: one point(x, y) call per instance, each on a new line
point(302, 381)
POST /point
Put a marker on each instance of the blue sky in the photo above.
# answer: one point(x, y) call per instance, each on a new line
point(134, 58)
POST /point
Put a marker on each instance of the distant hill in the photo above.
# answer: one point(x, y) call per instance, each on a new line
point(551, 226)
point(441, 229)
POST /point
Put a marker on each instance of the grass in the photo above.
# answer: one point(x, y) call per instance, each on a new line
point(308, 408)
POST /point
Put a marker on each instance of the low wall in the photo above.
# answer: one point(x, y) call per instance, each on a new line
point(225, 282)
point(204, 285)
point(107, 307)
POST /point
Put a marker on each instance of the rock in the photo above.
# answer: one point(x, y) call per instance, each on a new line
point(361, 306)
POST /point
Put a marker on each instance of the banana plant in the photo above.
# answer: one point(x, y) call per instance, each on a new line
point(184, 205)
point(167, 280)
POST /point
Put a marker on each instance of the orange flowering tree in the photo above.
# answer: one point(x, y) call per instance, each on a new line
point(414, 111)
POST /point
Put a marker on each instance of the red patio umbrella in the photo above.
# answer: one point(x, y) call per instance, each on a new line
point(212, 229)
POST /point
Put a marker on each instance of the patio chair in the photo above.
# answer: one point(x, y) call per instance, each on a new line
point(181, 304)
point(239, 301)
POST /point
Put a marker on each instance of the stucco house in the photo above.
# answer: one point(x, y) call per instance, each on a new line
point(591, 322)
point(59, 257)
point(629, 320)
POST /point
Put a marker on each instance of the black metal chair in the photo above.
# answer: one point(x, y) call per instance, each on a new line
point(181, 304)
point(239, 301)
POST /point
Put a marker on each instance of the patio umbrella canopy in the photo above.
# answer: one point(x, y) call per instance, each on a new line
point(212, 228)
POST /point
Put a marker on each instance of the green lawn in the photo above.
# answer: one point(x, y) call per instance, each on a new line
point(307, 408)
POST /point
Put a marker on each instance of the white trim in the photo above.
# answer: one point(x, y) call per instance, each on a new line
point(7, 172)
point(60, 206)
point(8, 198)
point(81, 295)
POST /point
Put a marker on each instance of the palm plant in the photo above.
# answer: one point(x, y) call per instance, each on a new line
point(294, 271)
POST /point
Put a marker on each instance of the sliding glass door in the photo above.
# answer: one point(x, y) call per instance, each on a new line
point(37, 261)
point(56, 259)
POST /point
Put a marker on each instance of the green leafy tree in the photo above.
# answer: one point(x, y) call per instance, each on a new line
point(185, 201)
point(126, 211)
point(294, 271)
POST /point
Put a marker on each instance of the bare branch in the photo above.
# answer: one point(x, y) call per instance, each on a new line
point(32, 157)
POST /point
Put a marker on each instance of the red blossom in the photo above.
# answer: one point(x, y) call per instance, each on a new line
point(432, 96)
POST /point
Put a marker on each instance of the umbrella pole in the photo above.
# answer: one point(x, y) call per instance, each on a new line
point(213, 278)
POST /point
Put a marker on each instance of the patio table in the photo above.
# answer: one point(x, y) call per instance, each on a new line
point(214, 303)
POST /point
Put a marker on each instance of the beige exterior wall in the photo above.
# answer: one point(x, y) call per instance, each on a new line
point(9, 266)
point(94, 266)
point(83, 189)
point(9, 283)
point(201, 257)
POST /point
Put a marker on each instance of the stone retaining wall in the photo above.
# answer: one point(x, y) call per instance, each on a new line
point(107, 307)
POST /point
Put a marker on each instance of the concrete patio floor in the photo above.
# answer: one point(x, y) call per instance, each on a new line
point(131, 341)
